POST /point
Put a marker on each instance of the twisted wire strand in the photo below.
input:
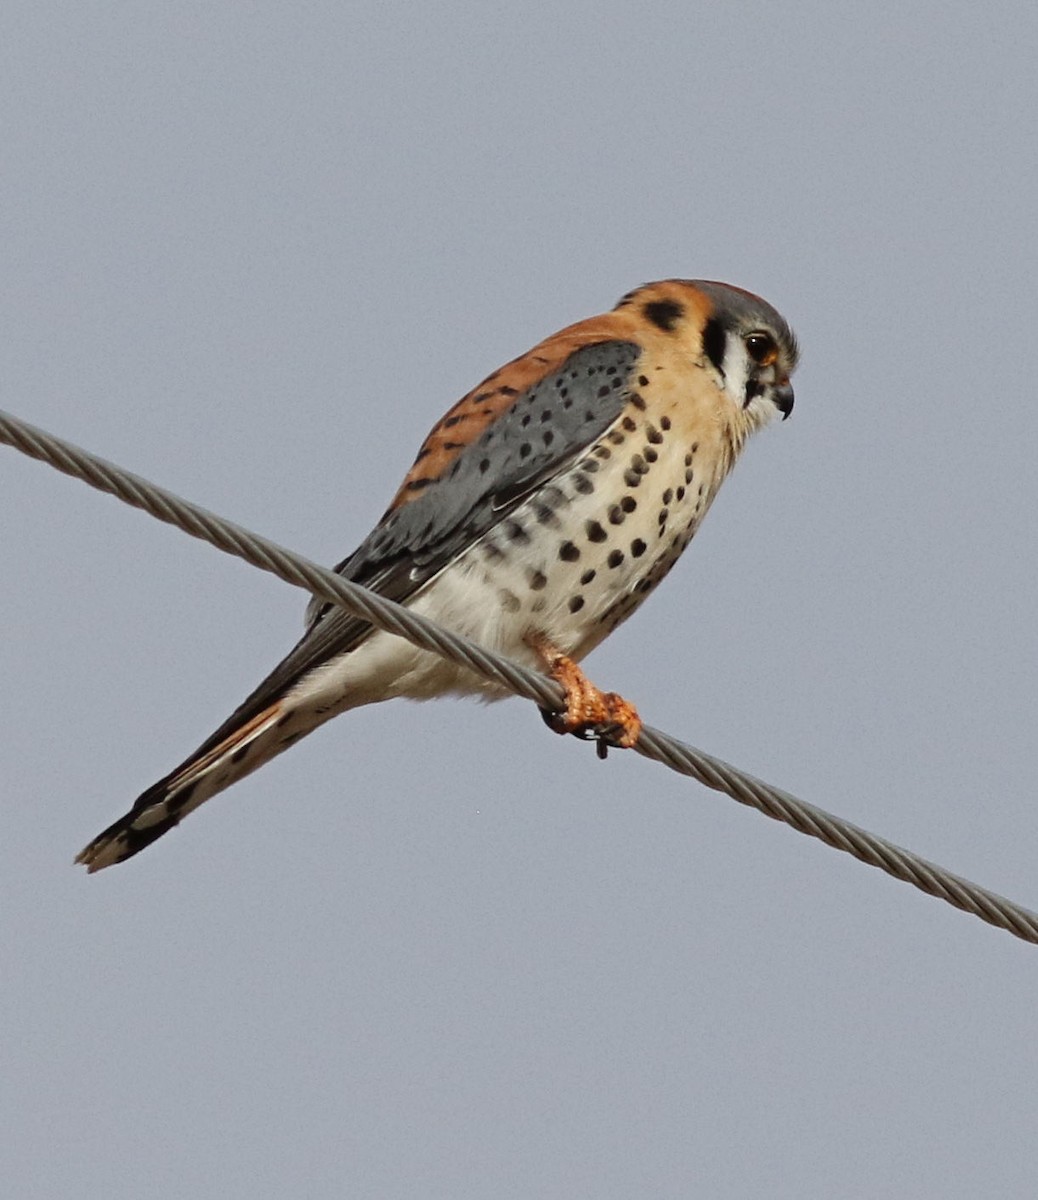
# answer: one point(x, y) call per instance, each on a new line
point(393, 618)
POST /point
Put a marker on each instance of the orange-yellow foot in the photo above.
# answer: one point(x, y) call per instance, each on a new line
point(591, 714)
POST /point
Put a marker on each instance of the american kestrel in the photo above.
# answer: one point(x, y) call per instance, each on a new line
point(539, 513)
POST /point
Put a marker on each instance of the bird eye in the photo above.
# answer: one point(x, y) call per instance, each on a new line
point(761, 348)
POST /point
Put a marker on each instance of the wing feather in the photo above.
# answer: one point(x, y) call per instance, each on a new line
point(546, 427)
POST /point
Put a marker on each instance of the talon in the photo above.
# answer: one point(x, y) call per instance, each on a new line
point(602, 717)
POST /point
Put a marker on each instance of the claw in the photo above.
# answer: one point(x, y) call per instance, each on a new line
point(593, 715)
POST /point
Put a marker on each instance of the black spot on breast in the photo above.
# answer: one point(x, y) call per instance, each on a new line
point(516, 533)
point(664, 314)
point(616, 437)
point(616, 515)
point(628, 504)
point(568, 552)
point(576, 603)
point(715, 340)
point(582, 484)
point(615, 558)
point(538, 580)
point(595, 532)
point(638, 548)
point(629, 424)
point(587, 577)
point(636, 400)
point(602, 452)
point(664, 423)
point(643, 381)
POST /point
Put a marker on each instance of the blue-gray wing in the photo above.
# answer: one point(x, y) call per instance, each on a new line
point(545, 427)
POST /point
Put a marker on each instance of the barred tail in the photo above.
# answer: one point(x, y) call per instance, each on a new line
point(207, 772)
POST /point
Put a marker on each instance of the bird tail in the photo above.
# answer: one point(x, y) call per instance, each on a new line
point(208, 771)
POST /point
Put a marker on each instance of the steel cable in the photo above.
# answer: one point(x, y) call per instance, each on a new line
point(393, 618)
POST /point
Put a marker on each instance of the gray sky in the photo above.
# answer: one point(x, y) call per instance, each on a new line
point(253, 252)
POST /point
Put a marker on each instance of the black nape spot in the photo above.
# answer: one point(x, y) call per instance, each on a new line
point(576, 603)
point(664, 314)
point(568, 552)
point(715, 341)
point(595, 532)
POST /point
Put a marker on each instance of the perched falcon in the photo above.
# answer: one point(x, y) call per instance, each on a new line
point(539, 513)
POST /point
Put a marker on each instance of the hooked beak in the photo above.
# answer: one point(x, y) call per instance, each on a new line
point(783, 397)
